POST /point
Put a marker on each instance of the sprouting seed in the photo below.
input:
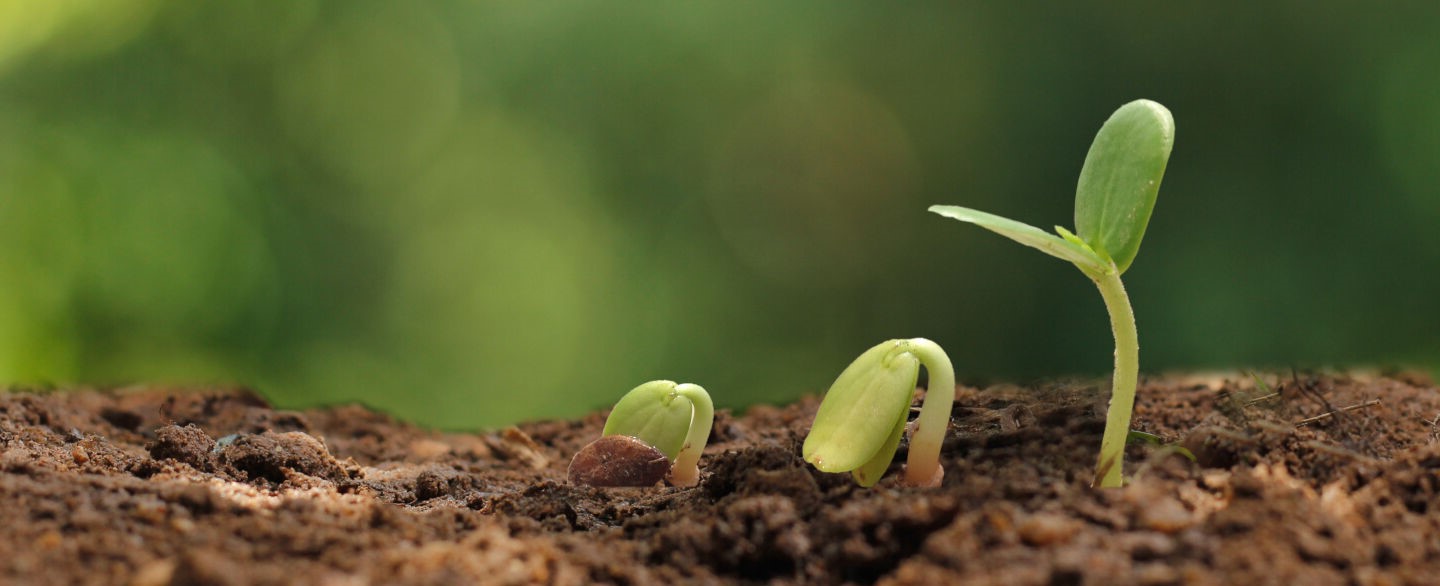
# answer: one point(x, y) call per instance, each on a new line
point(1113, 201)
point(861, 419)
point(673, 419)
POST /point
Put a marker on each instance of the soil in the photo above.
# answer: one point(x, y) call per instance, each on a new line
point(157, 486)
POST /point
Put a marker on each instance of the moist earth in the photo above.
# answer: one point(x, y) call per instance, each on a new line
point(1255, 479)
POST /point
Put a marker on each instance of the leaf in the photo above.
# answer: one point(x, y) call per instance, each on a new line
point(857, 417)
point(653, 413)
point(1140, 437)
point(1183, 451)
point(1028, 235)
point(1121, 177)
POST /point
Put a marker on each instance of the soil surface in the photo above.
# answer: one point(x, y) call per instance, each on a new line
point(160, 486)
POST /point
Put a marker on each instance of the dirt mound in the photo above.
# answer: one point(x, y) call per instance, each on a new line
point(1304, 479)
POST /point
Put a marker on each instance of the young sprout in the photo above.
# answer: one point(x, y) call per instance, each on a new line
point(858, 426)
point(659, 422)
point(1113, 201)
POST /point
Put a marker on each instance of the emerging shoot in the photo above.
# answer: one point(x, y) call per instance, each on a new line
point(670, 424)
point(1113, 201)
point(858, 426)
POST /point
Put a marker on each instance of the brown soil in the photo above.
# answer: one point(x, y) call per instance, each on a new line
point(155, 487)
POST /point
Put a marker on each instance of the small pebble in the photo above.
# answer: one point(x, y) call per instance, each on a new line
point(154, 573)
point(1044, 529)
point(49, 540)
point(1156, 573)
point(182, 524)
point(428, 449)
point(1166, 515)
point(1146, 545)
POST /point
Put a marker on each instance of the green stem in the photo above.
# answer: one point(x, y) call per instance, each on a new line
point(686, 469)
point(922, 467)
point(1127, 370)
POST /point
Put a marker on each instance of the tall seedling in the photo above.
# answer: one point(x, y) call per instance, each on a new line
point(1113, 201)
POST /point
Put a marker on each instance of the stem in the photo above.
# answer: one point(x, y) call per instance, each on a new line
point(1122, 388)
point(686, 470)
point(922, 467)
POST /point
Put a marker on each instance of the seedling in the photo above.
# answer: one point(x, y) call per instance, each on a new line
point(1113, 201)
point(671, 419)
point(858, 426)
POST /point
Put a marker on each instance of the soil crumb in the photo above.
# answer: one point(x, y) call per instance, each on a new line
point(1295, 478)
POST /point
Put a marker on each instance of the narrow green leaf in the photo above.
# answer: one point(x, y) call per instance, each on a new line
point(1121, 177)
point(1135, 438)
point(1028, 235)
point(1184, 451)
point(653, 413)
point(1140, 437)
point(858, 415)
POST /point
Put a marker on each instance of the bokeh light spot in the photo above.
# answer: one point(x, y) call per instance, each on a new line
point(373, 94)
point(812, 182)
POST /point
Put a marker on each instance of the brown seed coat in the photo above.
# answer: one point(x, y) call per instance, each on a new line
point(618, 460)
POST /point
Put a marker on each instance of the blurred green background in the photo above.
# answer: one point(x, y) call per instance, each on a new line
point(470, 213)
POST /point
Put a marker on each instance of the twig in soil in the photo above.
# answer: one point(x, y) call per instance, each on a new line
point(1307, 389)
point(1336, 450)
point(1262, 387)
point(1261, 399)
point(1234, 403)
point(1329, 414)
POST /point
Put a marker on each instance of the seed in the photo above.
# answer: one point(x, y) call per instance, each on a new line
point(618, 460)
